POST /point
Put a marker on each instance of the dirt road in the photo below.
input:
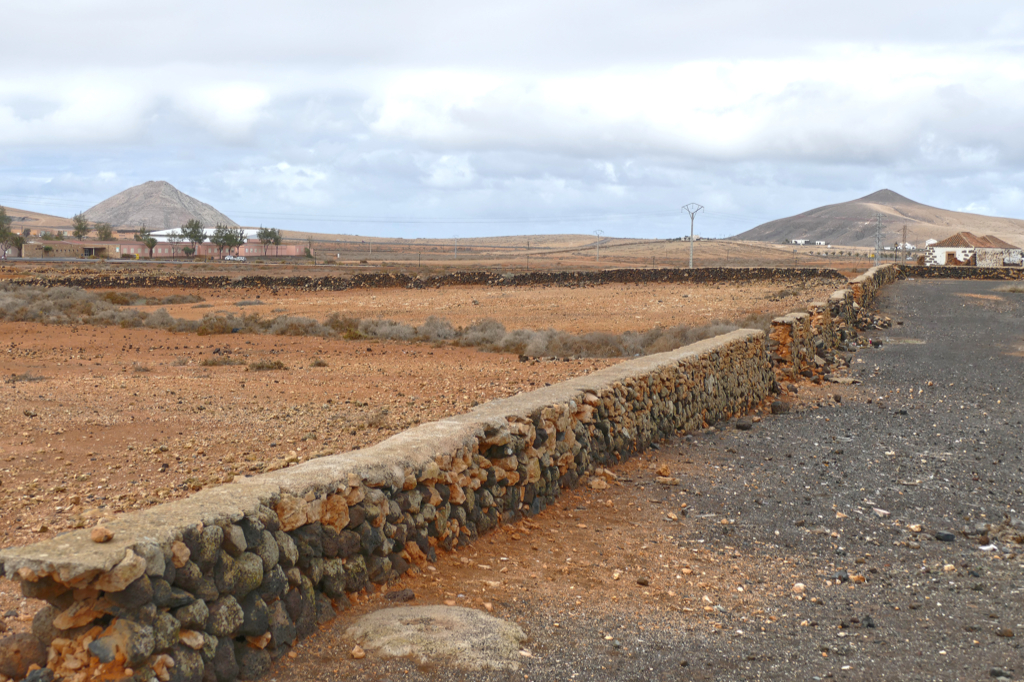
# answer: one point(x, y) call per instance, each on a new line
point(865, 535)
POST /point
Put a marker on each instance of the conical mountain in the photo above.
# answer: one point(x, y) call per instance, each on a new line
point(853, 223)
point(156, 204)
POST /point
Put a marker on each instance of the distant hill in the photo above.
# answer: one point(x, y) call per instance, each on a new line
point(853, 223)
point(36, 221)
point(158, 206)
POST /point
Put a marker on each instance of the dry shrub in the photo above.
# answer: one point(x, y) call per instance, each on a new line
point(136, 367)
point(348, 327)
point(241, 304)
point(264, 365)
point(318, 362)
point(435, 329)
point(24, 378)
point(175, 299)
point(62, 305)
point(220, 361)
point(483, 333)
point(120, 297)
point(387, 329)
point(298, 326)
point(214, 324)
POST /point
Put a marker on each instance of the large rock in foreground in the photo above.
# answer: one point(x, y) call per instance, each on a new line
point(453, 635)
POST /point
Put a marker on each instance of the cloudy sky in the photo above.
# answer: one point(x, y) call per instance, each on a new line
point(411, 118)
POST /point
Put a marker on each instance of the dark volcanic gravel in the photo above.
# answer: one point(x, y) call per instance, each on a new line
point(870, 538)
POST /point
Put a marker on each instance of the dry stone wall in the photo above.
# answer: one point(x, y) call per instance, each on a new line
point(214, 587)
point(90, 279)
point(952, 272)
point(866, 287)
point(805, 343)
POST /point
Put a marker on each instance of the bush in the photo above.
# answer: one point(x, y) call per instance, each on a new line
point(348, 327)
point(387, 329)
point(214, 324)
point(298, 326)
point(220, 361)
point(264, 365)
point(318, 362)
point(120, 297)
point(24, 378)
point(436, 329)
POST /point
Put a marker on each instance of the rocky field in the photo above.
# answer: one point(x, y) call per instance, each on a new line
point(105, 419)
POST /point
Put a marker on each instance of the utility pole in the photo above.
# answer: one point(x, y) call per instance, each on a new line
point(455, 238)
point(597, 244)
point(692, 209)
point(903, 246)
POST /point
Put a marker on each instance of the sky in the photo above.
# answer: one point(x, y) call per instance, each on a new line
point(413, 119)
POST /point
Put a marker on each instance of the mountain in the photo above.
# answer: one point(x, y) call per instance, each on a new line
point(853, 223)
point(158, 206)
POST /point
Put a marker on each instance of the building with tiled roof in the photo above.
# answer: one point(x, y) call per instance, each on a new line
point(966, 248)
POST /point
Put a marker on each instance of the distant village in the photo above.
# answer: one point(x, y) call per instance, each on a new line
point(963, 248)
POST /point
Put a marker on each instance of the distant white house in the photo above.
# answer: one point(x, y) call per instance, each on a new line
point(798, 242)
point(819, 243)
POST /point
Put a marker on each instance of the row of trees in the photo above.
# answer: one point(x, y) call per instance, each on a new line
point(193, 232)
point(80, 228)
point(224, 238)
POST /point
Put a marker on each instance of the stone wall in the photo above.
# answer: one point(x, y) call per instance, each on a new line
point(141, 279)
point(218, 585)
point(789, 342)
point(866, 287)
point(941, 272)
point(805, 344)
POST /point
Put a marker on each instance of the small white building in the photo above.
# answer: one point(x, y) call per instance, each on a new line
point(965, 248)
point(798, 242)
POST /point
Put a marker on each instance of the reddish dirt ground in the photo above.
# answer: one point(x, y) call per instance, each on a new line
point(104, 420)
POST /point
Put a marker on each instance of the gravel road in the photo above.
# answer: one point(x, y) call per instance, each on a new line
point(862, 539)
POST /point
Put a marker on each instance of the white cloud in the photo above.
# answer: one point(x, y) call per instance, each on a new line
point(462, 109)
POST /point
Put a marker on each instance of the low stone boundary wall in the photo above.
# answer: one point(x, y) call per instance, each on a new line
point(803, 343)
point(963, 272)
point(866, 287)
point(400, 280)
point(218, 585)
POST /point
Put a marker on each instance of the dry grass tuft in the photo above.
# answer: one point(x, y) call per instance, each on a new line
point(265, 365)
point(220, 361)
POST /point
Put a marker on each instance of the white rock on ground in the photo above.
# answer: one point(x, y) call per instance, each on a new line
point(456, 636)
